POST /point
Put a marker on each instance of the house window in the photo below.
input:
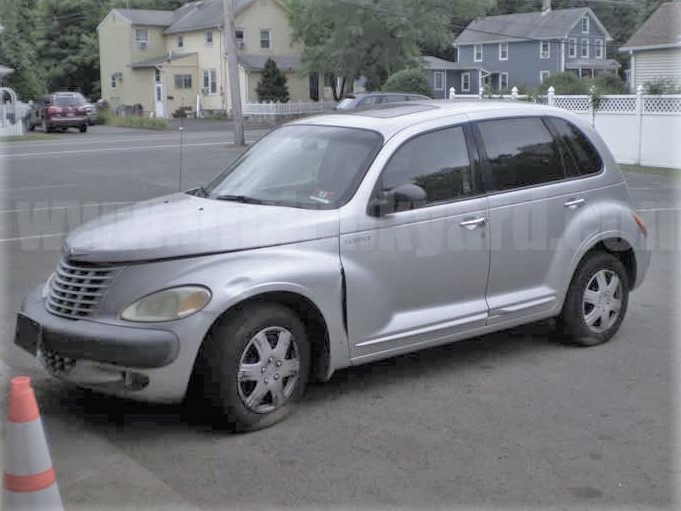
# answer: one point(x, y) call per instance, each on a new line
point(183, 81)
point(477, 53)
point(157, 75)
point(543, 75)
point(142, 38)
point(503, 51)
point(465, 82)
point(598, 50)
point(180, 41)
point(585, 49)
point(503, 81)
point(210, 81)
point(544, 49)
point(209, 37)
point(572, 49)
point(585, 25)
point(240, 38)
point(438, 80)
point(112, 81)
point(265, 39)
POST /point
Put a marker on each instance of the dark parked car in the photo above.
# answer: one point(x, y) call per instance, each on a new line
point(376, 98)
point(59, 111)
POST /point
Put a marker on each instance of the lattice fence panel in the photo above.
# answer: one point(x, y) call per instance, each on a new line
point(617, 104)
point(573, 103)
point(662, 104)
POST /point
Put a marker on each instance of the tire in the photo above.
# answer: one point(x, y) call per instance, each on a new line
point(263, 396)
point(83, 128)
point(31, 127)
point(595, 304)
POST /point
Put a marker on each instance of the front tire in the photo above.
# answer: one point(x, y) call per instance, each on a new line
point(255, 365)
point(596, 301)
point(83, 128)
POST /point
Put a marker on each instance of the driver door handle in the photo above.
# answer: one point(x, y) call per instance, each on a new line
point(574, 203)
point(473, 223)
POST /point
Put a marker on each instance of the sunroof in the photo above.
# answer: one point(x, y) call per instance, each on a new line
point(390, 111)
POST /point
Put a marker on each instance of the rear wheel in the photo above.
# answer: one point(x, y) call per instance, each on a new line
point(83, 128)
point(255, 366)
point(596, 302)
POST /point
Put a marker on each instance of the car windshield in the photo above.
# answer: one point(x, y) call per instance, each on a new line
point(311, 167)
point(67, 101)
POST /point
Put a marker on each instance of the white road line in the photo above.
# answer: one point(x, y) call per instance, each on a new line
point(659, 209)
point(104, 140)
point(55, 235)
point(36, 187)
point(54, 153)
point(52, 208)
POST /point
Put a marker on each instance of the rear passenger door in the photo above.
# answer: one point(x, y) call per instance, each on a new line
point(539, 216)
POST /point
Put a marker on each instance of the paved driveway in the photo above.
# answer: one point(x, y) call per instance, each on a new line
point(509, 420)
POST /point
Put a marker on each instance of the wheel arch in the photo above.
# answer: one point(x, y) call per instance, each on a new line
point(617, 246)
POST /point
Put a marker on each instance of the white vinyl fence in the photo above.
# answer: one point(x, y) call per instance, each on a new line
point(639, 128)
point(11, 114)
point(286, 109)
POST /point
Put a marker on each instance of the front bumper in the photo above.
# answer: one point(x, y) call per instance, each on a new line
point(67, 122)
point(112, 358)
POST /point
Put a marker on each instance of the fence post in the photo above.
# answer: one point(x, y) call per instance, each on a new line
point(514, 93)
point(452, 93)
point(481, 91)
point(639, 123)
point(551, 96)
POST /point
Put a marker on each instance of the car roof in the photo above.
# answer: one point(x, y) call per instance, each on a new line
point(367, 94)
point(393, 117)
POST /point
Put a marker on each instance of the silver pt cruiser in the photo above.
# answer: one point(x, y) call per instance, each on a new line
point(339, 240)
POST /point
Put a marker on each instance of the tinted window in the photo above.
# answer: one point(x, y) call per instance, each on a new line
point(582, 157)
point(371, 100)
point(521, 152)
point(67, 101)
point(394, 98)
point(437, 162)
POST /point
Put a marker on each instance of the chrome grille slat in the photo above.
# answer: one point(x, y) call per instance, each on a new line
point(76, 290)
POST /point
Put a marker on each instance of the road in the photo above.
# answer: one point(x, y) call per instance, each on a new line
point(509, 420)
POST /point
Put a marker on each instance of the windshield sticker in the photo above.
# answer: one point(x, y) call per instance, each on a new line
point(322, 196)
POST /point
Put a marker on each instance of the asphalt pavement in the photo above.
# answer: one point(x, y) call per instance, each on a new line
point(507, 421)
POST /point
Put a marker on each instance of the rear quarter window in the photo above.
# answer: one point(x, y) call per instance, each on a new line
point(582, 157)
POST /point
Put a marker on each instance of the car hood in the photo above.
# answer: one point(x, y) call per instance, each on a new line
point(181, 225)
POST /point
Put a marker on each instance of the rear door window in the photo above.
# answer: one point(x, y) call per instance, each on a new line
point(521, 152)
point(581, 156)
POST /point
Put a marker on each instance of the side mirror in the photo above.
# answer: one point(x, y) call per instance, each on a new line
point(405, 196)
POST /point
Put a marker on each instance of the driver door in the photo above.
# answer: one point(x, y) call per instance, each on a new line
point(417, 276)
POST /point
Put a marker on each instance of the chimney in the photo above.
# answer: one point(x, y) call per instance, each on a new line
point(546, 6)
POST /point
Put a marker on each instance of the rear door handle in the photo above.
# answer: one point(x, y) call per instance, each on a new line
point(575, 203)
point(473, 223)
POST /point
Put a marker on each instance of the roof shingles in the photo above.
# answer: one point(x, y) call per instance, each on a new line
point(662, 28)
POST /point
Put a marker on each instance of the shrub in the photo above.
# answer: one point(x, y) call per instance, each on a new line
point(412, 80)
point(151, 123)
point(566, 83)
point(662, 86)
point(609, 83)
point(272, 86)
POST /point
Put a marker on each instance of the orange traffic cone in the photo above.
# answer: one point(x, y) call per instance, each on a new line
point(29, 481)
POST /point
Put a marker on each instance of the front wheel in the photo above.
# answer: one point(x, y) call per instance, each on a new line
point(83, 128)
point(255, 366)
point(596, 301)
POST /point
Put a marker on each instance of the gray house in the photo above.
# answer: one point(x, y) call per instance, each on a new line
point(500, 52)
point(655, 48)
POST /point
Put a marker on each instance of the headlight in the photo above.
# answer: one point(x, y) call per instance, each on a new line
point(167, 305)
point(46, 288)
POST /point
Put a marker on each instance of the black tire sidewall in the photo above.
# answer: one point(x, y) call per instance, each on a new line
point(226, 343)
point(572, 318)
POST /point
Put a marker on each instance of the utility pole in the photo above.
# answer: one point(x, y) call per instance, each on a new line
point(233, 72)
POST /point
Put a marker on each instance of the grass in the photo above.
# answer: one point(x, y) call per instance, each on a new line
point(149, 123)
point(661, 171)
point(29, 137)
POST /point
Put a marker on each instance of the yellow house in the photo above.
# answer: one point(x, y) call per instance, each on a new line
point(168, 61)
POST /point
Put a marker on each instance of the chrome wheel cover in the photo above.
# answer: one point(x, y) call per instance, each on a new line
point(602, 301)
point(269, 368)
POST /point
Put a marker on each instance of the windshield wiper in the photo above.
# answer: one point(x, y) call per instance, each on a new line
point(244, 199)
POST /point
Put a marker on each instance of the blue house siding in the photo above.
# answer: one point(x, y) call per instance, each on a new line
point(450, 80)
point(523, 65)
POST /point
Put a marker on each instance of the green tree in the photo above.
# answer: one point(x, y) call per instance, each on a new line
point(609, 83)
point(272, 86)
point(372, 38)
point(566, 83)
point(17, 48)
point(411, 80)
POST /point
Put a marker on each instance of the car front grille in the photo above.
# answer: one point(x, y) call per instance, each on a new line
point(76, 289)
